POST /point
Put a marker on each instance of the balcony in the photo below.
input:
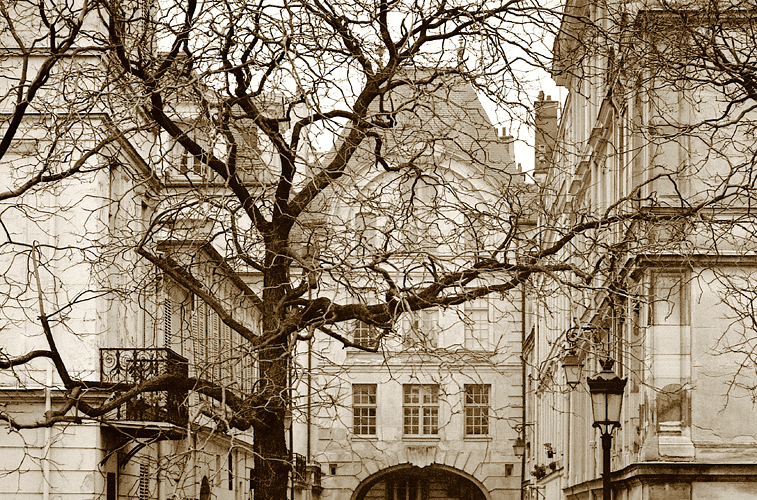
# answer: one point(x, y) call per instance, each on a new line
point(125, 368)
point(306, 476)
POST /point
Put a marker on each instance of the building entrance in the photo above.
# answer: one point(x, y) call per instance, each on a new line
point(408, 482)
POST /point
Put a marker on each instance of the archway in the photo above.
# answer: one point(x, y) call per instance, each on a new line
point(409, 482)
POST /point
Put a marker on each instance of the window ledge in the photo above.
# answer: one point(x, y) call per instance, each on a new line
point(357, 352)
point(478, 437)
point(416, 439)
point(364, 437)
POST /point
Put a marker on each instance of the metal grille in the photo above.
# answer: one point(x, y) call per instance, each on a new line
point(126, 368)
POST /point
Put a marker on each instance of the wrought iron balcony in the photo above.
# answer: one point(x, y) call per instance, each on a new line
point(129, 367)
point(299, 469)
point(306, 474)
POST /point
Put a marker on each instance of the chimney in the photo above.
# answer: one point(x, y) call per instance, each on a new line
point(507, 140)
point(545, 134)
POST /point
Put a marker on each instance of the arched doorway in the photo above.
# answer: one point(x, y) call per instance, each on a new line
point(408, 482)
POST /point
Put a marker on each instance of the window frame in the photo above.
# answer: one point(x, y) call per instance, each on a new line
point(364, 409)
point(473, 326)
point(407, 488)
point(364, 334)
point(476, 410)
point(427, 412)
point(421, 328)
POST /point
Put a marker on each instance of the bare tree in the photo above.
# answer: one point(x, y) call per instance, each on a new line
point(239, 143)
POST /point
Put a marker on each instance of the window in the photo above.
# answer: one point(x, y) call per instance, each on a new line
point(476, 409)
point(422, 328)
point(167, 322)
point(420, 409)
point(406, 489)
point(669, 304)
point(479, 229)
point(231, 472)
point(170, 316)
point(477, 334)
point(183, 161)
point(365, 335)
point(421, 229)
point(368, 233)
point(364, 409)
point(184, 165)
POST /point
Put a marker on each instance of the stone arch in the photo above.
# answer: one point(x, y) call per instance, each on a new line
point(457, 483)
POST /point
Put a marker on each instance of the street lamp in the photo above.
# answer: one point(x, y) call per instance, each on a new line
point(519, 447)
point(606, 391)
point(571, 363)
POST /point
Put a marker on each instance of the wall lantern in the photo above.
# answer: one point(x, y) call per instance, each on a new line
point(519, 447)
point(573, 367)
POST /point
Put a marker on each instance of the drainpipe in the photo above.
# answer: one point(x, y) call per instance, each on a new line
point(48, 387)
point(523, 384)
point(48, 434)
point(310, 396)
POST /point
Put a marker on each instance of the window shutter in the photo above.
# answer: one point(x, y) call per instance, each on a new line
point(213, 342)
point(144, 481)
point(167, 319)
point(198, 335)
point(226, 358)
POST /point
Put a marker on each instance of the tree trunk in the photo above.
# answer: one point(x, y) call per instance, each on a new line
point(272, 461)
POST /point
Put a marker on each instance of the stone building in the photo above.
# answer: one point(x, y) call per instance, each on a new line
point(75, 291)
point(428, 409)
point(658, 155)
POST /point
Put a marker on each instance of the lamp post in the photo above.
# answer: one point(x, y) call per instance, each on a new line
point(606, 390)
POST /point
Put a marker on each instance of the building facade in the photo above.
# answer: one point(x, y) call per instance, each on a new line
point(427, 409)
point(76, 295)
point(159, 444)
point(656, 156)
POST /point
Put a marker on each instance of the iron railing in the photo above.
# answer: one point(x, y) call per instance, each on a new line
point(129, 367)
point(299, 468)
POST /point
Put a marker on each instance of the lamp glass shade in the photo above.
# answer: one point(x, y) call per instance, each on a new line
point(572, 367)
point(614, 404)
point(519, 447)
point(606, 398)
point(599, 406)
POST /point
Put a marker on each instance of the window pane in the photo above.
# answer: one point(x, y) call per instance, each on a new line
point(476, 409)
point(477, 324)
point(420, 400)
point(364, 409)
point(422, 328)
